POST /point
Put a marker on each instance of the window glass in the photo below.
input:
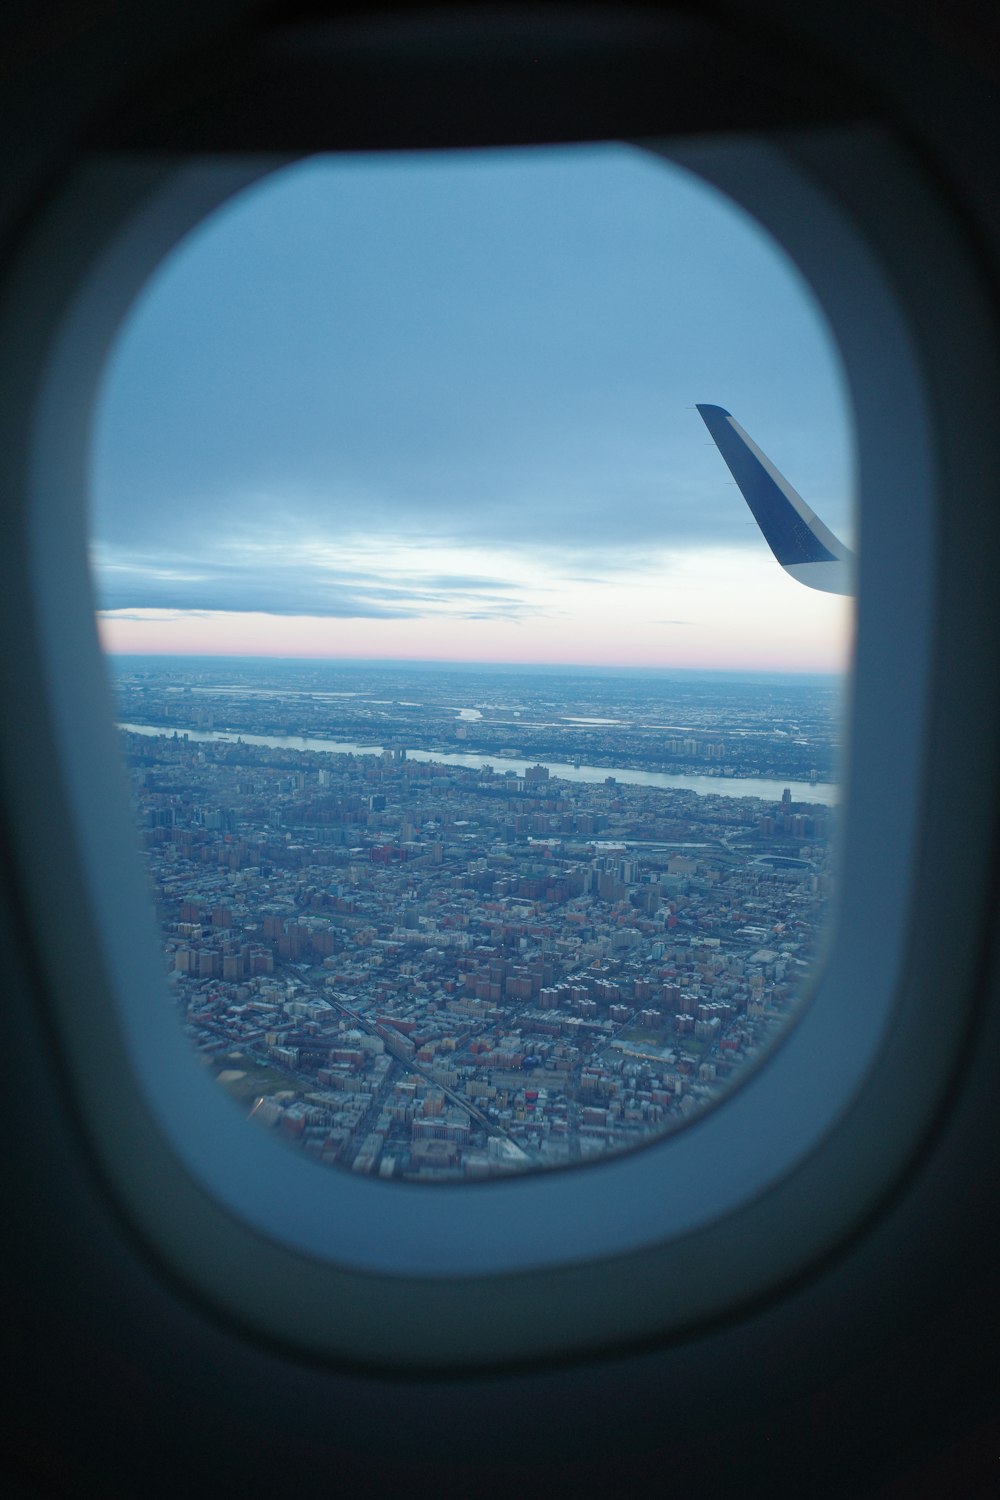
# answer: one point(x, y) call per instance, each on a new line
point(484, 757)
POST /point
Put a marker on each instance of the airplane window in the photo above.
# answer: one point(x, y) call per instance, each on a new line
point(478, 676)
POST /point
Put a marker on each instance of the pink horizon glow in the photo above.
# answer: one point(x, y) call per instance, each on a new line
point(771, 649)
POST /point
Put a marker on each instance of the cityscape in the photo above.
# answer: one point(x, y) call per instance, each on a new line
point(444, 923)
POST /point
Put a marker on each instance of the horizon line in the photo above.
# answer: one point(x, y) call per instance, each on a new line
point(516, 666)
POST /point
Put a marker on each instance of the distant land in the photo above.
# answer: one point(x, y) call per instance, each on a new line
point(489, 668)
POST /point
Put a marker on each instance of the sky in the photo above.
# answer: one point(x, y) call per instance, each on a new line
point(440, 407)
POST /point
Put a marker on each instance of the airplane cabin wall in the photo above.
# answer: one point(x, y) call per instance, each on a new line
point(874, 1375)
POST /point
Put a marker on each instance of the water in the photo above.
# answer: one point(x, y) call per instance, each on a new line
point(768, 789)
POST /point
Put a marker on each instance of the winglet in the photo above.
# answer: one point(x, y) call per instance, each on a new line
point(806, 549)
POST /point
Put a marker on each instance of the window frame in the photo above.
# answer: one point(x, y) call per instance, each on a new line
point(756, 1190)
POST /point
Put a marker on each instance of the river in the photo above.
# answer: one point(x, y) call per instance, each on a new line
point(768, 789)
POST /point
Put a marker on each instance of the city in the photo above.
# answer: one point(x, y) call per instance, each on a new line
point(446, 923)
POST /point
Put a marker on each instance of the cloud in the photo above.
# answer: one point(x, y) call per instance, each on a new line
point(358, 563)
point(152, 616)
point(286, 586)
point(582, 522)
point(364, 370)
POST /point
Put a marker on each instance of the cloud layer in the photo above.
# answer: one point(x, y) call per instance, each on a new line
point(212, 583)
point(452, 387)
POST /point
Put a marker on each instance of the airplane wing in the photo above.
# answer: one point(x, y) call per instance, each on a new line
point(806, 549)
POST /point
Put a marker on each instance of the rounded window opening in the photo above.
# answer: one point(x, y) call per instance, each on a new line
point(483, 738)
